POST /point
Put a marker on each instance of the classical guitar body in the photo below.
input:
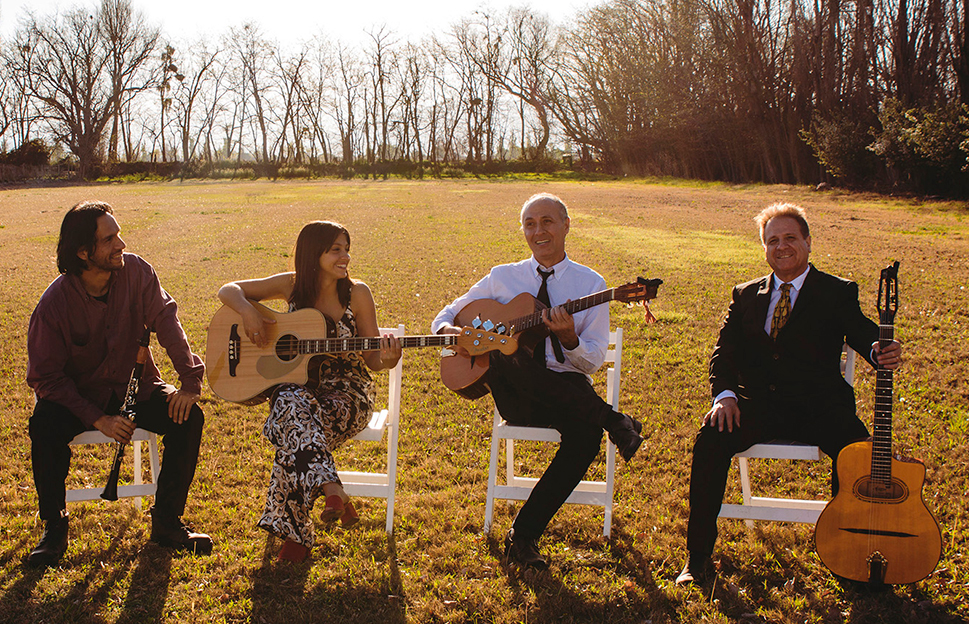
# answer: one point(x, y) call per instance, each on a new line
point(877, 529)
point(878, 533)
point(468, 376)
point(241, 372)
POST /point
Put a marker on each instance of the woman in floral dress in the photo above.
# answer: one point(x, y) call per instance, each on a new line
point(307, 422)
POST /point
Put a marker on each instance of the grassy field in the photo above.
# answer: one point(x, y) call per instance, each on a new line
point(418, 245)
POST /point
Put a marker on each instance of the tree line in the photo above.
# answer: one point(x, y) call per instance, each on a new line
point(867, 93)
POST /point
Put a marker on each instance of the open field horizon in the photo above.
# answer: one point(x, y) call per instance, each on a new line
point(418, 245)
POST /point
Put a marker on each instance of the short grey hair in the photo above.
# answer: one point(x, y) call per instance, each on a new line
point(545, 196)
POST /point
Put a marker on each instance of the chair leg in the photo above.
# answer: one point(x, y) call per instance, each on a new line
point(136, 447)
point(492, 480)
point(745, 486)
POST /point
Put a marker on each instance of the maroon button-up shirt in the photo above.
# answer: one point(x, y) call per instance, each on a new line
point(81, 350)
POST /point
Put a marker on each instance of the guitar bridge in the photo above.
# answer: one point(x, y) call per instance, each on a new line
point(234, 350)
point(877, 564)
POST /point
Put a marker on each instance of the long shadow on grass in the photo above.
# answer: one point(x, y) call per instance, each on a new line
point(558, 602)
point(279, 593)
point(85, 598)
point(16, 598)
point(887, 605)
point(148, 590)
point(277, 588)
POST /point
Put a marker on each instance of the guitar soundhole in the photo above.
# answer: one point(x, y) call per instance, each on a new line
point(874, 491)
point(287, 347)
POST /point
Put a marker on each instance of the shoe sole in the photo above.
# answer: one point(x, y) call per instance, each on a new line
point(197, 548)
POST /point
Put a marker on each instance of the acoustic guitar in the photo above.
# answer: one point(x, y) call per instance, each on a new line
point(522, 318)
point(877, 529)
point(241, 372)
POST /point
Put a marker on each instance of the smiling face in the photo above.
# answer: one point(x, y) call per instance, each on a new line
point(545, 229)
point(108, 247)
point(786, 247)
point(335, 260)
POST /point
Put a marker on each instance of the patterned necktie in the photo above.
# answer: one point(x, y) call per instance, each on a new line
point(556, 345)
point(781, 311)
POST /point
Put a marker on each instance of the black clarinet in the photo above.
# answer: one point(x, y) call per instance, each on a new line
point(128, 411)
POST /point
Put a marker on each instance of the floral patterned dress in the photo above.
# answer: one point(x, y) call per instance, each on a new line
point(306, 424)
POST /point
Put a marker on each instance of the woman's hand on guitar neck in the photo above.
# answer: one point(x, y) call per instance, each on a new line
point(453, 329)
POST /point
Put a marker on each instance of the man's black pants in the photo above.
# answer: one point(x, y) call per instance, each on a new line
point(529, 394)
point(713, 451)
point(53, 426)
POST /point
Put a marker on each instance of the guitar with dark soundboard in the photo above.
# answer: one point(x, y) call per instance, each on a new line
point(242, 372)
point(522, 318)
point(877, 529)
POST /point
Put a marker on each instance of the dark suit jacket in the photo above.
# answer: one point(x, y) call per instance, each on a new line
point(803, 366)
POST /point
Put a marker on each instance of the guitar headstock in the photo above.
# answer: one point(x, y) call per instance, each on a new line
point(479, 341)
point(888, 294)
point(641, 290)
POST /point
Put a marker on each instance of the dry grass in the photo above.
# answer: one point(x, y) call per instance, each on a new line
point(418, 245)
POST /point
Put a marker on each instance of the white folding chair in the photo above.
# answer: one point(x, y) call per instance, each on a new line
point(781, 509)
point(596, 493)
point(381, 484)
point(138, 488)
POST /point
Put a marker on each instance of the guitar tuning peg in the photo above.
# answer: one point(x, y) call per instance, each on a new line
point(476, 323)
point(501, 329)
point(488, 325)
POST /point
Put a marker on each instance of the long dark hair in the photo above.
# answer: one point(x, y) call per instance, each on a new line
point(314, 240)
point(79, 230)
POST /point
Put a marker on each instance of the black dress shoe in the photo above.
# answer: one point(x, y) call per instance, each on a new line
point(524, 551)
point(52, 545)
point(697, 569)
point(625, 435)
point(171, 532)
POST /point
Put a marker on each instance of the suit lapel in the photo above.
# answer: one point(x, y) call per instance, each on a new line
point(805, 296)
point(762, 301)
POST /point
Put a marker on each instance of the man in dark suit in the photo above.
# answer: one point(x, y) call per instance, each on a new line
point(776, 373)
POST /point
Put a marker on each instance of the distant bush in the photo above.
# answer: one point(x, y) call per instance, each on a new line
point(33, 153)
point(925, 148)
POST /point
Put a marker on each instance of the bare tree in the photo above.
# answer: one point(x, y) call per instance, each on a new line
point(516, 51)
point(80, 67)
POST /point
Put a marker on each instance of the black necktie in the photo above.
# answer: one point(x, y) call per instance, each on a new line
point(556, 345)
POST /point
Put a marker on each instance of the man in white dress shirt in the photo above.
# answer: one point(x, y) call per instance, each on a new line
point(552, 388)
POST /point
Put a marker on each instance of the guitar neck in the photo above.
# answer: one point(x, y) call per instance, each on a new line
point(881, 456)
point(370, 343)
point(524, 323)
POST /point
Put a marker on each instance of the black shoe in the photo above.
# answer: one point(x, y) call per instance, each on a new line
point(171, 532)
point(52, 545)
point(524, 551)
point(697, 569)
point(625, 435)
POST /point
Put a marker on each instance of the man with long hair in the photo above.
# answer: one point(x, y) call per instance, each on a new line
point(82, 343)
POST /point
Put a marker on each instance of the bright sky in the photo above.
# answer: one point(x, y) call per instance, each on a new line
point(284, 20)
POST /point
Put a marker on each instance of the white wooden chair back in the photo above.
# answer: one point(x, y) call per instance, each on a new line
point(596, 493)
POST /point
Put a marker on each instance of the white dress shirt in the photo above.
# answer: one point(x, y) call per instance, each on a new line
point(571, 281)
